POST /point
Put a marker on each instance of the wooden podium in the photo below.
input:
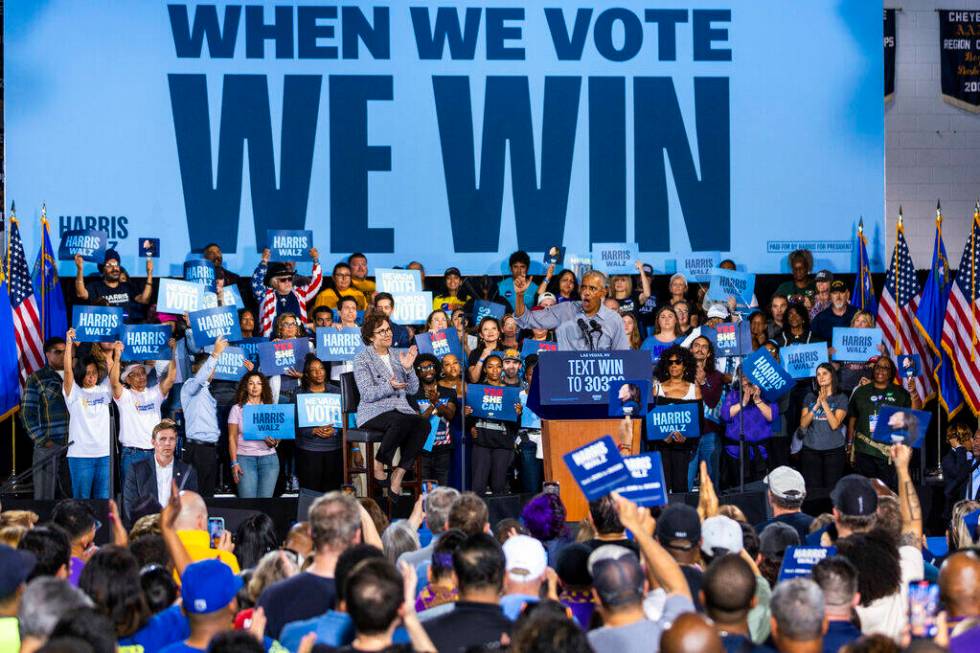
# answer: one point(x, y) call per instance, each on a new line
point(558, 437)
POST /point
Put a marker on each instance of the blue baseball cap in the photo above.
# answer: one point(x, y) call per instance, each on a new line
point(208, 586)
point(15, 567)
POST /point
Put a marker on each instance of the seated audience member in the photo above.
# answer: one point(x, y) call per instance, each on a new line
point(526, 564)
point(838, 579)
point(385, 382)
point(441, 589)
point(358, 274)
point(786, 494)
point(690, 633)
point(400, 537)
point(545, 516)
point(477, 619)
point(192, 528)
point(51, 548)
point(272, 285)
point(151, 478)
point(45, 601)
point(334, 627)
point(341, 287)
point(469, 514)
point(374, 596)
point(437, 505)
point(78, 521)
point(798, 621)
point(338, 523)
point(773, 542)
point(15, 567)
point(728, 594)
point(604, 517)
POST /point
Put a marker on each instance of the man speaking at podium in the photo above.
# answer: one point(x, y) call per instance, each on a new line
point(585, 325)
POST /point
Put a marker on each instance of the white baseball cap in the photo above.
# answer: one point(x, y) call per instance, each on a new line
point(526, 558)
point(786, 483)
point(720, 532)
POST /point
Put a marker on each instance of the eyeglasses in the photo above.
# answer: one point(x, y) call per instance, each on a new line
point(383, 332)
point(427, 366)
point(675, 361)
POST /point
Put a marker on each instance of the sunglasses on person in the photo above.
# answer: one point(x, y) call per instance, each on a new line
point(675, 361)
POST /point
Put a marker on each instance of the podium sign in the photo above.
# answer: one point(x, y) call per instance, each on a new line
point(584, 377)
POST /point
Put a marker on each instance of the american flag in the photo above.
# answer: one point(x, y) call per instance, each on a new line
point(960, 326)
point(896, 314)
point(27, 323)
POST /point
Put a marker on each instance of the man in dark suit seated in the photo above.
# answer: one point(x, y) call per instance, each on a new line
point(149, 481)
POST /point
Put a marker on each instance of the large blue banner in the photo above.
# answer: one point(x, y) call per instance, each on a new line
point(451, 133)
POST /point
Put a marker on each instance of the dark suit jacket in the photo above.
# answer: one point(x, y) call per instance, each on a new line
point(957, 471)
point(141, 482)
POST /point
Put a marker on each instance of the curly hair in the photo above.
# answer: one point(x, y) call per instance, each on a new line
point(544, 516)
point(311, 360)
point(282, 317)
point(873, 550)
point(662, 371)
point(241, 393)
point(801, 311)
point(372, 320)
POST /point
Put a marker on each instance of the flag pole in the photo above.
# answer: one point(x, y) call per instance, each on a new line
point(899, 227)
point(43, 268)
point(937, 471)
point(861, 250)
point(6, 263)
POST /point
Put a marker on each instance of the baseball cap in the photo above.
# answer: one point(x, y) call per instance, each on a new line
point(616, 575)
point(776, 538)
point(824, 275)
point(512, 355)
point(786, 483)
point(679, 522)
point(838, 286)
point(451, 271)
point(720, 532)
point(129, 369)
point(15, 567)
point(547, 295)
point(855, 496)
point(717, 310)
point(648, 269)
point(526, 558)
point(208, 586)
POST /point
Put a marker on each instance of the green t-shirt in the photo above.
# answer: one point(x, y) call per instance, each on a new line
point(789, 289)
point(9, 634)
point(864, 406)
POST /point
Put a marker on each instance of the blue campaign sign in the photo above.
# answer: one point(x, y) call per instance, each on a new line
point(897, 425)
point(665, 419)
point(855, 345)
point(615, 258)
point(250, 347)
point(96, 323)
point(231, 364)
point(210, 324)
point(319, 409)
point(730, 338)
point(731, 283)
point(145, 342)
point(493, 401)
point(261, 421)
point(440, 343)
point(90, 243)
point(242, 127)
point(483, 308)
point(149, 247)
point(179, 297)
point(201, 270)
point(972, 519)
point(763, 370)
point(630, 396)
point(656, 348)
point(598, 468)
point(230, 296)
point(529, 419)
point(281, 355)
point(584, 377)
point(530, 346)
point(411, 307)
point(799, 561)
point(801, 361)
point(909, 366)
point(554, 255)
point(646, 485)
point(697, 266)
point(289, 244)
point(397, 281)
point(334, 344)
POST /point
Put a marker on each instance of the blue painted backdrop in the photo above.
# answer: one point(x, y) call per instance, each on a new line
point(451, 132)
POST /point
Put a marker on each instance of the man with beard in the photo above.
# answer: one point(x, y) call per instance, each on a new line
point(212, 252)
point(110, 287)
point(512, 368)
point(579, 325)
point(838, 314)
point(433, 400)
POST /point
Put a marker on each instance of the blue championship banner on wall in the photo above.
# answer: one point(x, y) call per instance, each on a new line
point(145, 342)
point(495, 127)
point(261, 421)
point(584, 377)
point(96, 323)
point(959, 58)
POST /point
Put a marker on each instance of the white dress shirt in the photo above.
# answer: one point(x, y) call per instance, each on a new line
point(165, 477)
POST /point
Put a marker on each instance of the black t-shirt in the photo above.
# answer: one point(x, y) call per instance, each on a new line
point(420, 403)
point(294, 599)
point(393, 648)
point(122, 295)
point(468, 624)
point(798, 520)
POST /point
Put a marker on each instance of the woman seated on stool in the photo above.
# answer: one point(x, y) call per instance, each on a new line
point(384, 380)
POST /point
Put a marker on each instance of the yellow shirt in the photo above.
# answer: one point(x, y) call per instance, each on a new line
point(365, 285)
point(198, 545)
point(329, 298)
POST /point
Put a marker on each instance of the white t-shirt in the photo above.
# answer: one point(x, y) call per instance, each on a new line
point(88, 420)
point(889, 614)
point(139, 412)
